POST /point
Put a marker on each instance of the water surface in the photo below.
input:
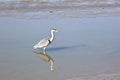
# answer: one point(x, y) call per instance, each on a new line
point(86, 48)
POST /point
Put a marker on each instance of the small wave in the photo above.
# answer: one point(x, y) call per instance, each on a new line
point(81, 1)
point(59, 8)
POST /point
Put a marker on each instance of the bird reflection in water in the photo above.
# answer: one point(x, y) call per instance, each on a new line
point(45, 57)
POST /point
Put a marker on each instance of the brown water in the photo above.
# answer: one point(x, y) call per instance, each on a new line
point(86, 48)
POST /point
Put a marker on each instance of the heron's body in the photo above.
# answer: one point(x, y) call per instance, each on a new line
point(46, 41)
point(43, 43)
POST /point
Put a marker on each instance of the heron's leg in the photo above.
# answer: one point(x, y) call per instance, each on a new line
point(44, 50)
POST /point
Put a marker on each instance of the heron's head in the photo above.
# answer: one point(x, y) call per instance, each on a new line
point(55, 30)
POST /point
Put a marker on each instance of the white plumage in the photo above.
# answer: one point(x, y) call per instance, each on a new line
point(46, 41)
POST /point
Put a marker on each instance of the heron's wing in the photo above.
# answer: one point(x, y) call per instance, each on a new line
point(44, 42)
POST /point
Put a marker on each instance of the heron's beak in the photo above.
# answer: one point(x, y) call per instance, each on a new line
point(57, 30)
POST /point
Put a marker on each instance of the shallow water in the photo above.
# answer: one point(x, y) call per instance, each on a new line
point(86, 48)
point(83, 47)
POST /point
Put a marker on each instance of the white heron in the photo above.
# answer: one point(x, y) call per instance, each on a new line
point(46, 41)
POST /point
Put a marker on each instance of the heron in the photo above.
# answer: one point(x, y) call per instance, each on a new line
point(46, 41)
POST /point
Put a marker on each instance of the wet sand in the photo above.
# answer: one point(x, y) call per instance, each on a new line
point(69, 9)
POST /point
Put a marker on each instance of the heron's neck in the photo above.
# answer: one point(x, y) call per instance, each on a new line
point(52, 36)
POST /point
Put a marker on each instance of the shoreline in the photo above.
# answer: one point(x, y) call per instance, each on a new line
point(60, 10)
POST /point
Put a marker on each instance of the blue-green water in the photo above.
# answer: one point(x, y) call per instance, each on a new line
point(83, 47)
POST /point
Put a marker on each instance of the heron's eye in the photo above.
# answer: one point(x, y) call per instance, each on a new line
point(54, 29)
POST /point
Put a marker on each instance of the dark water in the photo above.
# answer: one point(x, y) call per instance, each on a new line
point(83, 47)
